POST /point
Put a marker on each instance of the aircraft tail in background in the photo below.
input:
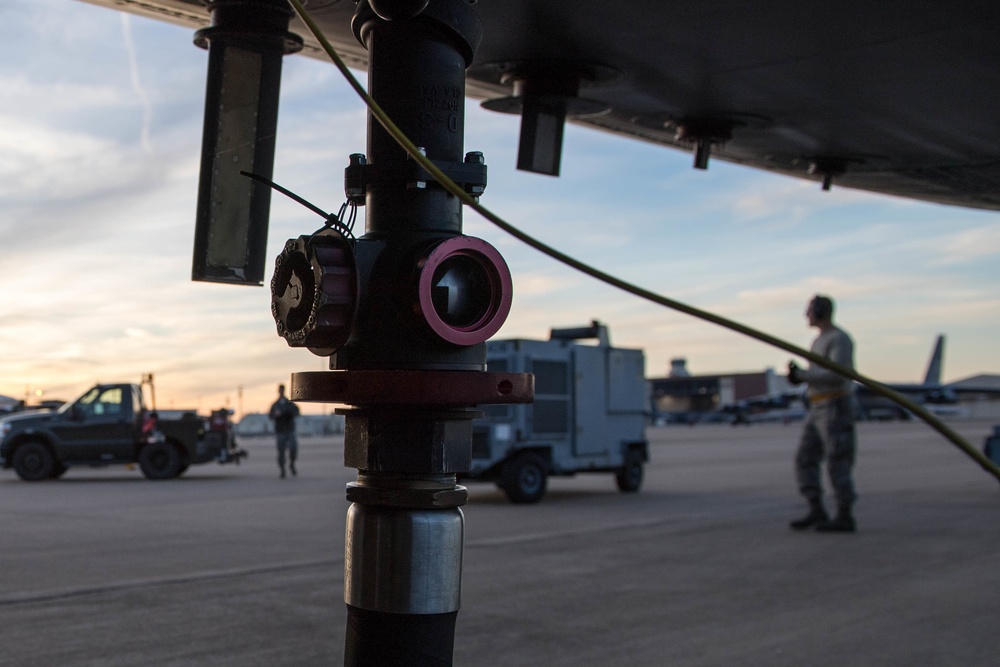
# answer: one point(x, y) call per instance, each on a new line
point(928, 393)
point(933, 376)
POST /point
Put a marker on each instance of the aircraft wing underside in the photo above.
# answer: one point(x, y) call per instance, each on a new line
point(899, 96)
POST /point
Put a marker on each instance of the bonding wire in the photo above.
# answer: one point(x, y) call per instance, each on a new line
point(468, 200)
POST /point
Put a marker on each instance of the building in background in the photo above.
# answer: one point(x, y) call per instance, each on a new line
point(725, 397)
point(256, 423)
point(683, 398)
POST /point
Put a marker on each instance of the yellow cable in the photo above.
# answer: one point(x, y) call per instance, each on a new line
point(468, 200)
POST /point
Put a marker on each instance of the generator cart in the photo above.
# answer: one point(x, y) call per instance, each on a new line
point(589, 414)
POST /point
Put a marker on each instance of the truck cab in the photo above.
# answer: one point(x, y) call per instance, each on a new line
point(589, 414)
point(100, 425)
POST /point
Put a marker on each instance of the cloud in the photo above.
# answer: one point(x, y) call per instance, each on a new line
point(958, 247)
point(133, 62)
point(542, 283)
point(33, 155)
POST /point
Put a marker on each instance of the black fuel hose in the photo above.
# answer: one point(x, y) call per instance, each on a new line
point(410, 640)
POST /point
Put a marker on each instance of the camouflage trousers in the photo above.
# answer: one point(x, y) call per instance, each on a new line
point(828, 435)
point(287, 442)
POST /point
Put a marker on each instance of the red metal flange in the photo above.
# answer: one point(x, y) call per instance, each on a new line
point(412, 387)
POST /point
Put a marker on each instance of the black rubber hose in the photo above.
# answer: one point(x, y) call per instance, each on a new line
point(399, 640)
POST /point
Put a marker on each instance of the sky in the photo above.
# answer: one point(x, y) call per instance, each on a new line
point(100, 135)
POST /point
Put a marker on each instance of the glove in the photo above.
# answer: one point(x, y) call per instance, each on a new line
point(794, 373)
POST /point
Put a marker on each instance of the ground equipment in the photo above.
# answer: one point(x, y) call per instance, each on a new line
point(110, 424)
point(589, 414)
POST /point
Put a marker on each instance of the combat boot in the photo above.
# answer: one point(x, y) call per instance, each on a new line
point(817, 515)
point(842, 523)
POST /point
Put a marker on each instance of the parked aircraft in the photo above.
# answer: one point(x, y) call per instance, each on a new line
point(930, 392)
point(941, 399)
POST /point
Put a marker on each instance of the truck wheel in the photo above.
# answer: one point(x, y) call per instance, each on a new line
point(160, 460)
point(524, 478)
point(34, 462)
point(629, 478)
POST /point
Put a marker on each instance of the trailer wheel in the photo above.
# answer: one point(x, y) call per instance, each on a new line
point(33, 462)
point(160, 460)
point(629, 477)
point(524, 478)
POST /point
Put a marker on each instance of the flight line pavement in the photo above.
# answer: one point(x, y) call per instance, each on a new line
point(231, 565)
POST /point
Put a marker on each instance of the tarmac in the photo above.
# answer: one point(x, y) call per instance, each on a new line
point(231, 565)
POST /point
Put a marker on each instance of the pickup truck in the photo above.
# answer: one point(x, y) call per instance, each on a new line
point(109, 424)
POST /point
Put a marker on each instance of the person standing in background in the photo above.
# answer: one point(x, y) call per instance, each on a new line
point(283, 412)
point(829, 429)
